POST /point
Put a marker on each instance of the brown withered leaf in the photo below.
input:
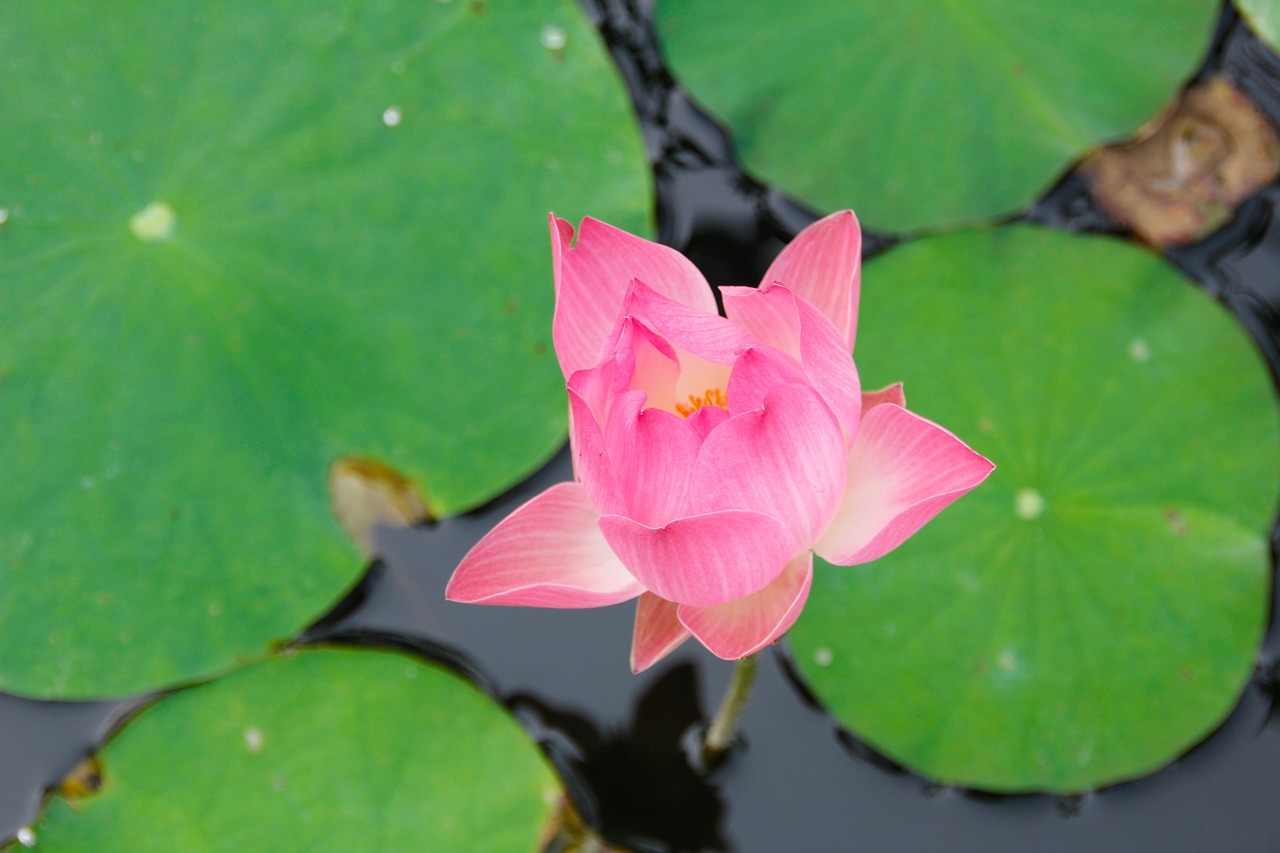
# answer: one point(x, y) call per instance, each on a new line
point(1183, 174)
point(366, 493)
point(83, 780)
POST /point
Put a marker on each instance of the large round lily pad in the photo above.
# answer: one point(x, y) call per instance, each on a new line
point(240, 240)
point(1095, 607)
point(328, 750)
point(928, 113)
point(1264, 19)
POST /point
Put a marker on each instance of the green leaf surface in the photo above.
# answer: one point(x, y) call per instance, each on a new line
point(324, 750)
point(929, 112)
point(1094, 608)
point(239, 241)
point(1264, 19)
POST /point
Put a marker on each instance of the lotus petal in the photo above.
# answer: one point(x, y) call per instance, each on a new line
point(693, 330)
point(591, 465)
point(658, 631)
point(746, 625)
point(591, 280)
point(651, 453)
point(903, 471)
point(702, 559)
point(785, 460)
point(823, 266)
point(775, 316)
point(888, 394)
point(548, 553)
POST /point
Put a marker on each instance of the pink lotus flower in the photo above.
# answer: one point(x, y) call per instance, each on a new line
point(714, 455)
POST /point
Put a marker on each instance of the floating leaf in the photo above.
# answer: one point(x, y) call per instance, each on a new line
point(1095, 607)
point(1184, 174)
point(324, 750)
point(1264, 19)
point(920, 113)
point(366, 494)
point(243, 240)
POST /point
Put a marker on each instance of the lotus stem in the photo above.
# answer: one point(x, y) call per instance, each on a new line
point(724, 725)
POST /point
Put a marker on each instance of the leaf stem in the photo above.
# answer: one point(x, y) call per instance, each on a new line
point(725, 723)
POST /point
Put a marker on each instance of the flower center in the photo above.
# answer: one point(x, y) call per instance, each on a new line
point(709, 397)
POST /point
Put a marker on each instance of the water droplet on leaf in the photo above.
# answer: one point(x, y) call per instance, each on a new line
point(552, 37)
point(154, 222)
point(1028, 504)
point(254, 741)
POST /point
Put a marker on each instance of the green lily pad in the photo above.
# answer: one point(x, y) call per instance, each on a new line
point(1095, 607)
point(242, 240)
point(326, 750)
point(1264, 19)
point(930, 113)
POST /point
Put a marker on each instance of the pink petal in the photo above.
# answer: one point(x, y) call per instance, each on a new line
point(822, 265)
point(703, 421)
point(655, 367)
point(658, 632)
point(651, 453)
point(702, 559)
point(768, 314)
point(695, 330)
point(598, 386)
point(548, 553)
point(903, 471)
point(746, 625)
point(829, 364)
point(888, 394)
point(775, 316)
point(591, 465)
point(785, 460)
point(591, 280)
point(758, 371)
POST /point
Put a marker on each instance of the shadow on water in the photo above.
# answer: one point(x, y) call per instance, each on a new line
point(634, 781)
point(803, 782)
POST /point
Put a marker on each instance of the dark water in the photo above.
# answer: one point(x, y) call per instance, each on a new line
point(799, 783)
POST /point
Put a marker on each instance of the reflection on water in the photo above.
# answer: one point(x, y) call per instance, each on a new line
point(802, 783)
point(634, 780)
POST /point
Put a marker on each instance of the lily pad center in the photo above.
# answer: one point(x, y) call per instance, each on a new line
point(153, 223)
point(1028, 504)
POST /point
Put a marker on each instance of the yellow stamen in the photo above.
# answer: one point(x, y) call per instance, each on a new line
point(710, 397)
